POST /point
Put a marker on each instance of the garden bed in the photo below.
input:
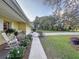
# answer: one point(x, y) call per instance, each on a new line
point(22, 51)
point(19, 53)
point(27, 51)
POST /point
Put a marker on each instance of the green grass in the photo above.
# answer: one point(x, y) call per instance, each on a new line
point(49, 31)
point(59, 47)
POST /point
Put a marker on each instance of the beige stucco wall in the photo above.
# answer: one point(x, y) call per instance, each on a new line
point(28, 29)
point(19, 26)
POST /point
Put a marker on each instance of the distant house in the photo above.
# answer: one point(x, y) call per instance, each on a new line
point(12, 16)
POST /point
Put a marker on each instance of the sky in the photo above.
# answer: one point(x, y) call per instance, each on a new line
point(33, 8)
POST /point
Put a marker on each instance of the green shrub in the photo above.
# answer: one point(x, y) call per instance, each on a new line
point(25, 42)
point(16, 53)
point(29, 37)
point(10, 31)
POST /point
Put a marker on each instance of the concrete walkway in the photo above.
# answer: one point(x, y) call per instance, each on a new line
point(61, 33)
point(3, 54)
point(37, 51)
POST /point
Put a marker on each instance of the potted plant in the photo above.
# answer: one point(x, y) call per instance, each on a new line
point(75, 40)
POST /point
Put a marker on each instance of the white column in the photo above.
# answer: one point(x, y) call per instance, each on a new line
point(1, 25)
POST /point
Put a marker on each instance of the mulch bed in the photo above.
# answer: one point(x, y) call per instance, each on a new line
point(27, 52)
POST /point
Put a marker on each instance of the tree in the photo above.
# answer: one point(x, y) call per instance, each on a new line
point(36, 22)
point(70, 9)
point(45, 22)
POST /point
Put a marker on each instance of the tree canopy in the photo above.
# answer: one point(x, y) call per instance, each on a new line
point(65, 15)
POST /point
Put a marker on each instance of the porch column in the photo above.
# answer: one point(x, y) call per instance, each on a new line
point(1, 24)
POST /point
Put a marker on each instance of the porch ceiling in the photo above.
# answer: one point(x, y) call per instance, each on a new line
point(5, 10)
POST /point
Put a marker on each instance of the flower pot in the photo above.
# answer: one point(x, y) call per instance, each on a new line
point(75, 40)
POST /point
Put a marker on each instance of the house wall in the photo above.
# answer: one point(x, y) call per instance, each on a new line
point(28, 29)
point(15, 25)
point(22, 26)
point(10, 12)
point(19, 26)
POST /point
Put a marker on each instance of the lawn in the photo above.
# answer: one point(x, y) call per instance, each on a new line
point(49, 31)
point(59, 47)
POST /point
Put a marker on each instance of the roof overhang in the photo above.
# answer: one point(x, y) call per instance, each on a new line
point(12, 10)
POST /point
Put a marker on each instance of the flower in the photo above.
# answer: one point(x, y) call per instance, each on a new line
point(18, 51)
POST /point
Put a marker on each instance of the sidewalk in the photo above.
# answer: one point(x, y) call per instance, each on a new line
point(3, 54)
point(37, 51)
point(61, 33)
